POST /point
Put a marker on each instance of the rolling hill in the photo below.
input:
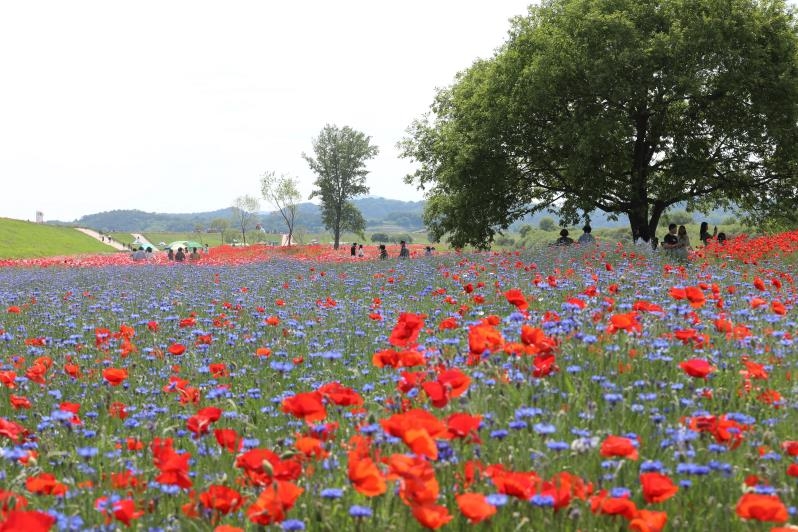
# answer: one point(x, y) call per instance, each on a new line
point(19, 239)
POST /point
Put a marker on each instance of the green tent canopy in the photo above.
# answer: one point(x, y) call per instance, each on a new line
point(185, 244)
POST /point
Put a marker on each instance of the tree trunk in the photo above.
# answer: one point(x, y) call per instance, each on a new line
point(638, 221)
point(337, 227)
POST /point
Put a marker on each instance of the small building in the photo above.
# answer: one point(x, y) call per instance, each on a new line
point(39, 217)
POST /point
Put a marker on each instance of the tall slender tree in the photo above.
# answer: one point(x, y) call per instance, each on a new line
point(339, 162)
point(245, 213)
point(283, 193)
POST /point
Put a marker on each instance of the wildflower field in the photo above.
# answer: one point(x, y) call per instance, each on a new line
point(582, 388)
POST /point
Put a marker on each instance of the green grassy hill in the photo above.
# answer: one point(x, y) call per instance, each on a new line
point(19, 240)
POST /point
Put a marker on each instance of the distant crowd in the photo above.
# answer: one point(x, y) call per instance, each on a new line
point(181, 255)
point(356, 250)
point(676, 242)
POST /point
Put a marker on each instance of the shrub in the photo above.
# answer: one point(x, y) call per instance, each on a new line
point(547, 224)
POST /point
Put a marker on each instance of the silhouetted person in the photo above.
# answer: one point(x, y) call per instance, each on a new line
point(180, 256)
point(564, 239)
point(703, 233)
point(586, 237)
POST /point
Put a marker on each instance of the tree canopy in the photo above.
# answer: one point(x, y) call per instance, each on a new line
point(627, 106)
point(340, 168)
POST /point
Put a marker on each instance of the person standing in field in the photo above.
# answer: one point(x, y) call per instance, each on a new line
point(180, 256)
point(404, 253)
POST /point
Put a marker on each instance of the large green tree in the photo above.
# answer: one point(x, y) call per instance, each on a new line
point(340, 167)
point(627, 106)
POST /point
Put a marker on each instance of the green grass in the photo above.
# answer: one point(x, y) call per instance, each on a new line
point(22, 240)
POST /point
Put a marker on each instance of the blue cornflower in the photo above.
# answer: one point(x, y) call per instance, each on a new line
point(293, 524)
point(558, 445)
point(332, 493)
point(497, 499)
point(544, 428)
point(542, 500)
point(620, 492)
point(87, 452)
point(359, 511)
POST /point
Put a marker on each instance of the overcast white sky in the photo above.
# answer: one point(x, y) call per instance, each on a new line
point(180, 106)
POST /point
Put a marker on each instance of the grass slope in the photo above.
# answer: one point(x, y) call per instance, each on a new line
point(19, 240)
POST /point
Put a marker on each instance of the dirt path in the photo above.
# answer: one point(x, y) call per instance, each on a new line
point(143, 242)
point(108, 242)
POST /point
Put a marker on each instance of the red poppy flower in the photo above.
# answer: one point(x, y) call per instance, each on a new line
point(462, 425)
point(405, 332)
point(221, 499)
point(176, 349)
point(657, 487)
point(619, 446)
point(18, 520)
point(45, 484)
point(484, 337)
point(431, 516)
point(115, 376)
point(613, 505)
point(8, 379)
point(18, 401)
point(307, 406)
point(697, 367)
point(340, 394)
point(228, 439)
point(366, 478)
point(762, 508)
point(273, 503)
point(520, 484)
point(125, 511)
point(475, 507)
point(516, 297)
point(624, 322)
point(695, 296)
point(11, 430)
point(418, 429)
point(648, 521)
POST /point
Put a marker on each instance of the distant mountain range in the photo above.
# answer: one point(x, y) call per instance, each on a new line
point(381, 214)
